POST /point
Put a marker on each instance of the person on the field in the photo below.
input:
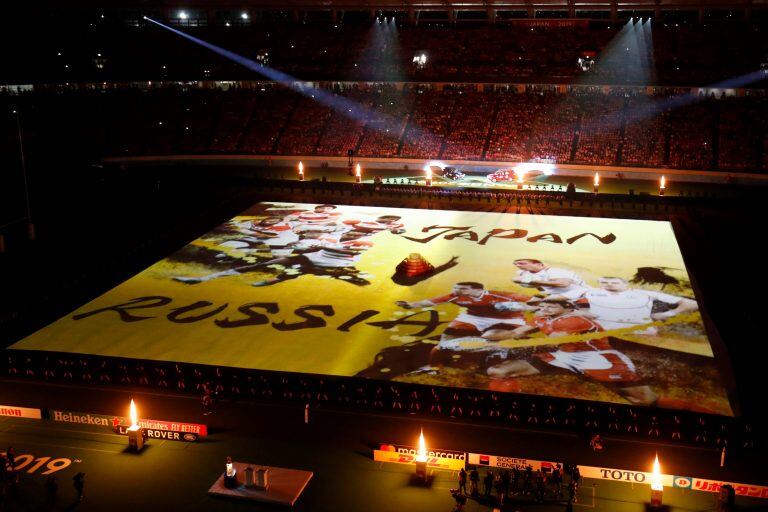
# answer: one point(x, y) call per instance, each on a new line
point(593, 358)
point(548, 280)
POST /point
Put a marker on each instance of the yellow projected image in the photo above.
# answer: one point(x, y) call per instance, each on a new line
point(588, 308)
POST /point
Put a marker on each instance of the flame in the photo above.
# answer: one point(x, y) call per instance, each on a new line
point(656, 475)
point(134, 415)
point(301, 168)
point(597, 179)
point(428, 172)
point(520, 175)
point(663, 182)
point(421, 456)
point(357, 170)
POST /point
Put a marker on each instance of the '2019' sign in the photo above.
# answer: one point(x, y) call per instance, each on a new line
point(45, 465)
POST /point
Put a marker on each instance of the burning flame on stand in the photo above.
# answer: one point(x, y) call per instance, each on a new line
point(421, 456)
point(597, 179)
point(663, 183)
point(301, 168)
point(656, 484)
point(357, 170)
point(428, 172)
point(134, 415)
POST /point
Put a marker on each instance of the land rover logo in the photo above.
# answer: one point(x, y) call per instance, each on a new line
point(190, 437)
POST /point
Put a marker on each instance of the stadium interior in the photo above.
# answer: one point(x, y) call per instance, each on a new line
point(122, 141)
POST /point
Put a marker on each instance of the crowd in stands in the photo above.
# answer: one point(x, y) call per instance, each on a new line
point(466, 122)
point(600, 132)
point(691, 131)
point(120, 48)
point(739, 144)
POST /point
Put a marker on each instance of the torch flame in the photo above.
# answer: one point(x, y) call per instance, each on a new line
point(134, 415)
point(520, 175)
point(421, 456)
point(597, 179)
point(663, 182)
point(428, 172)
point(357, 170)
point(301, 168)
point(656, 475)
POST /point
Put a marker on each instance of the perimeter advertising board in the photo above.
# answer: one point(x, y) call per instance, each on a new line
point(584, 308)
point(500, 461)
point(20, 412)
point(435, 459)
point(154, 429)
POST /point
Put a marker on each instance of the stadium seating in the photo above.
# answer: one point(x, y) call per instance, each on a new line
point(588, 125)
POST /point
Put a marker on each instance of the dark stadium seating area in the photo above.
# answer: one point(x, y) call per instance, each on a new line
point(588, 125)
point(86, 47)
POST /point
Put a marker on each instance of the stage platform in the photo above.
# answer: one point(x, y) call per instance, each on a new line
point(368, 292)
point(285, 485)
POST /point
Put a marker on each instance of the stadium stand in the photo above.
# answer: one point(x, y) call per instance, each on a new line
point(588, 126)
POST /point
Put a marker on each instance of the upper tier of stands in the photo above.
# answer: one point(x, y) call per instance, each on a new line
point(88, 48)
point(589, 126)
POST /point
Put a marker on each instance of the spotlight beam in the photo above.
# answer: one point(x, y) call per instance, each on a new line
point(352, 110)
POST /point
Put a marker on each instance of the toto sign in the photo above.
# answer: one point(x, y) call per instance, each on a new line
point(623, 475)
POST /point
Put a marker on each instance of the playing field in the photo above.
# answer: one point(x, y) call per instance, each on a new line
point(170, 475)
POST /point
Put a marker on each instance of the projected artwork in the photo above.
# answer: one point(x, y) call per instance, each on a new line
point(585, 308)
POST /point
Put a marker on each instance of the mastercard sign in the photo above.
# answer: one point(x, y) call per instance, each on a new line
point(390, 453)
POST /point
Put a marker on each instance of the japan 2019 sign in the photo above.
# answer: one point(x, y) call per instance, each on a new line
point(586, 308)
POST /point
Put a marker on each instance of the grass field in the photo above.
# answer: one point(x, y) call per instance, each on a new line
point(171, 475)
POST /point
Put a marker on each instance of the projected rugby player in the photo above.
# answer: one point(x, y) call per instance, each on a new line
point(270, 231)
point(594, 358)
point(321, 215)
point(615, 305)
point(316, 252)
point(548, 280)
point(333, 257)
point(489, 316)
point(389, 223)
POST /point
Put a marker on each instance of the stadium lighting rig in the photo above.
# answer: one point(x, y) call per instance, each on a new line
point(360, 113)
